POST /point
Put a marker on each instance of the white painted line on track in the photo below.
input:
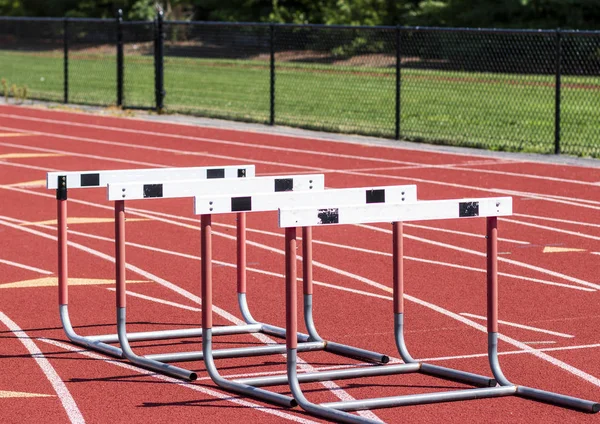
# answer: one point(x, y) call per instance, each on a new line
point(557, 230)
point(27, 267)
point(201, 389)
point(272, 147)
point(525, 327)
point(58, 385)
point(155, 149)
point(82, 155)
point(565, 221)
point(511, 352)
point(157, 300)
point(500, 259)
point(463, 233)
point(26, 166)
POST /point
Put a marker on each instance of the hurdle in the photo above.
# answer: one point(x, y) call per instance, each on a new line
point(331, 214)
point(62, 181)
point(119, 192)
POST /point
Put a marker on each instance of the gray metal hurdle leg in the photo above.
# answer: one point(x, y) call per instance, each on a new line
point(206, 278)
point(85, 341)
point(398, 285)
point(492, 300)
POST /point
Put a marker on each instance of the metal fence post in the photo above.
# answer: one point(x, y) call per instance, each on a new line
point(159, 76)
point(120, 58)
point(398, 81)
point(66, 60)
point(557, 91)
point(272, 75)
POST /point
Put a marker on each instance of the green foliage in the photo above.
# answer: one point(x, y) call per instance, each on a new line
point(579, 14)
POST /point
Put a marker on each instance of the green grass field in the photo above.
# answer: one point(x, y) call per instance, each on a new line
point(495, 111)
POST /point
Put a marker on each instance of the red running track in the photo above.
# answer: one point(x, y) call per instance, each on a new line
point(548, 286)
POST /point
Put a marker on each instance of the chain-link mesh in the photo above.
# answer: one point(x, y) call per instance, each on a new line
point(495, 89)
point(92, 61)
point(580, 94)
point(484, 89)
point(336, 79)
point(31, 58)
point(138, 64)
point(217, 70)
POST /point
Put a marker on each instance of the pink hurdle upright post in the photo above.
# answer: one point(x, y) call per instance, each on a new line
point(206, 270)
point(241, 252)
point(492, 274)
point(291, 315)
point(63, 268)
point(120, 277)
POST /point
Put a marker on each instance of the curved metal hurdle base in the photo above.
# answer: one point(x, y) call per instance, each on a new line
point(436, 370)
point(144, 362)
point(84, 341)
point(544, 396)
point(265, 395)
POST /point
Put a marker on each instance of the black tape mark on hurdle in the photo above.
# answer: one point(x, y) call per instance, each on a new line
point(284, 184)
point(153, 190)
point(466, 209)
point(216, 173)
point(328, 216)
point(240, 204)
point(90, 180)
point(241, 173)
point(61, 188)
point(375, 196)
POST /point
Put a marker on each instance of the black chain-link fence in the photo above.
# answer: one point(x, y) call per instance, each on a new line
point(520, 90)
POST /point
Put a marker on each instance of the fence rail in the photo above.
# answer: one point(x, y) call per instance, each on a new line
point(502, 89)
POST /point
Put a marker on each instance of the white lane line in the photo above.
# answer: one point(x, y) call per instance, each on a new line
point(571, 201)
point(525, 327)
point(285, 149)
point(463, 233)
point(27, 166)
point(332, 386)
point(157, 300)
point(511, 352)
point(565, 221)
point(500, 259)
point(58, 385)
point(544, 227)
point(201, 389)
point(82, 155)
point(595, 253)
point(155, 149)
point(27, 267)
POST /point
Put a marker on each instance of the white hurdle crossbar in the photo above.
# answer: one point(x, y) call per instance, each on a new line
point(156, 189)
point(329, 214)
point(62, 181)
point(206, 206)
